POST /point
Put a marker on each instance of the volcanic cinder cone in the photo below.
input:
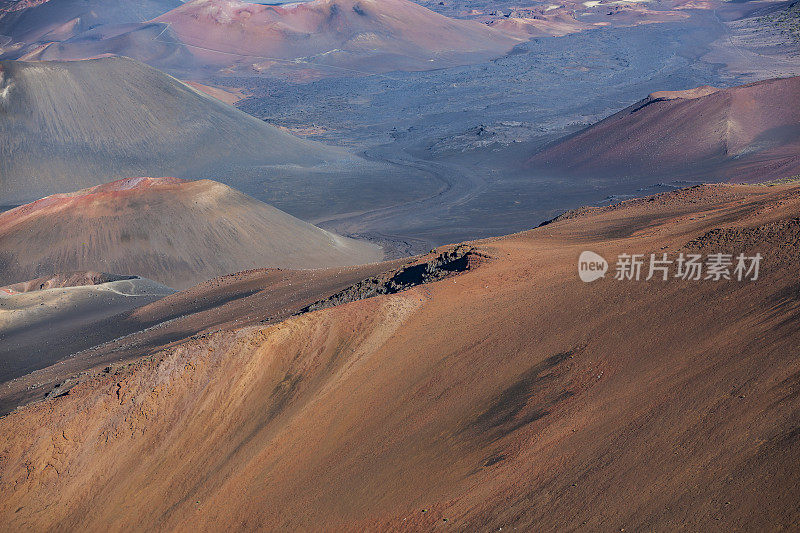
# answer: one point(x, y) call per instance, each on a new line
point(172, 231)
point(746, 133)
point(58, 20)
point(68, 125)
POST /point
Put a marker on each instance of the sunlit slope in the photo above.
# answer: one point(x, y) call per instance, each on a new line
point(512, 395)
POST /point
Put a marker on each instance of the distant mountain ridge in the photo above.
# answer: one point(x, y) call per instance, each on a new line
point(206, 37)
point(55, 20)
point(372, 35)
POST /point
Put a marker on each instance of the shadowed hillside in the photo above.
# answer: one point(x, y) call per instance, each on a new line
point(745, 133)
point(40, 316)
point(57, 20)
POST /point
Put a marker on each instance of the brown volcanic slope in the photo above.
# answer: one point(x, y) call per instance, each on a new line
point(69, 125)
point(90, 328)
point(512, 395)
point(173, 231)
point(373, 35)
point(746, 133)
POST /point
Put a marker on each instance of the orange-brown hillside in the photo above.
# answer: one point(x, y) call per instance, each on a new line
point(512, 395)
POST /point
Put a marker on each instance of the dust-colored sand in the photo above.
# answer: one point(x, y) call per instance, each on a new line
point(51, 318)
point(228, 95)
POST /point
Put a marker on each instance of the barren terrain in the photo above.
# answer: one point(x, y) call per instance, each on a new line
point(510, 395)
point(446, 147)
point(69, 125)
point(37, 323)
point(356, 36)
point(391, 347)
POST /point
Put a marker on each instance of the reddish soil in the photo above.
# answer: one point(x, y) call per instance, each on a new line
point(228, 95)
point(512, 395)
point(97, 339)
